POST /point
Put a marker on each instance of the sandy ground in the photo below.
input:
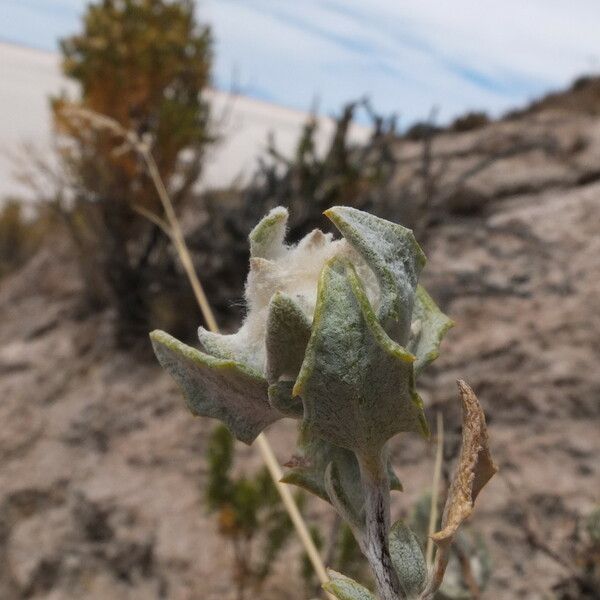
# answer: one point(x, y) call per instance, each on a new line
point(102, 468)
point(29, 77)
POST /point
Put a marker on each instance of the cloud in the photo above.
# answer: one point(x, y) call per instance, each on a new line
point(407, 56)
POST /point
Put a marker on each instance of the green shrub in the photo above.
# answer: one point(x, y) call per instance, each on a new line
point(145, 64)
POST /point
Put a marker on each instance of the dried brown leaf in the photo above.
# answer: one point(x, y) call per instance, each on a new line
point(475, 467)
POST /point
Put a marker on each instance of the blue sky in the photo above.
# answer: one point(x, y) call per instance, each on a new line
point(408, 56)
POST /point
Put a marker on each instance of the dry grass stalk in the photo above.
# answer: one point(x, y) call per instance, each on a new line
point(435, 489)
point(133, 142)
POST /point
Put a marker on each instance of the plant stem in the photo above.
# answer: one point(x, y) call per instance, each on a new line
point(179, 240)
point(332, 540)
point(374, 540)
point(435, 489)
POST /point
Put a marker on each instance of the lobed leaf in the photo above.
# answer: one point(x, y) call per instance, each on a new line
point(356, 383)
point(219, 388)
point(430, 325)
point(394, 256)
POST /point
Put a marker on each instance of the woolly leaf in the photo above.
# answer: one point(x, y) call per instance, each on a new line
point(266, 239)
point(216, 344)
point(407, 558)
point(356, 383)
point(344, 588)
point(429, 326)
point(475, 467)
point(288, 332)
point(308, 470)
point(394, 256)
point(219, 388)
point(282, 399)
point(232, 347)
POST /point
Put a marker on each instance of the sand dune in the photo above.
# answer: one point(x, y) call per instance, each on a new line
point(28, 77)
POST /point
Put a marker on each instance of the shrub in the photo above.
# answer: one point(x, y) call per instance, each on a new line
point(470, 121)
point(143, 63)
point(421, 130)
point(21, 236)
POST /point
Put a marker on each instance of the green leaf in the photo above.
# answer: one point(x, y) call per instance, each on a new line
point(394, 256)
point(339, 491)
point(219, 388)
point(429, 325)
point(282, 399)
point(309, 472)
point(288, 332)
point(266, 239)
point(407, 558)
point(344, 588)
point(356, 383)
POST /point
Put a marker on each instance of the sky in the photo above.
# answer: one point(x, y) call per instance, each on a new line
point(408, 56)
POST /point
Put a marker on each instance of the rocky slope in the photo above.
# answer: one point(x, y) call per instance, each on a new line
point(101, 467)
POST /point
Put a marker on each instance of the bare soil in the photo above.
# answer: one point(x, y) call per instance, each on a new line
point(102, 468)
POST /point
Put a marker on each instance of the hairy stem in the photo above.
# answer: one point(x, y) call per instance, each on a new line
point(374, 540)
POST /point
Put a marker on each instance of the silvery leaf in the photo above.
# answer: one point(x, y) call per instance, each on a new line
point(344, 588)
point(266, 239)
point(429, 326)
point(356, 383)
point(394, 256)
point(407, 558)
point(219, 388)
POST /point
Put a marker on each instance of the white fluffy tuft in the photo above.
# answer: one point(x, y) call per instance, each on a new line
point(295, 271)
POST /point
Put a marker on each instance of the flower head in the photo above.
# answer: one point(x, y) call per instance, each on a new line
point(327, 336)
